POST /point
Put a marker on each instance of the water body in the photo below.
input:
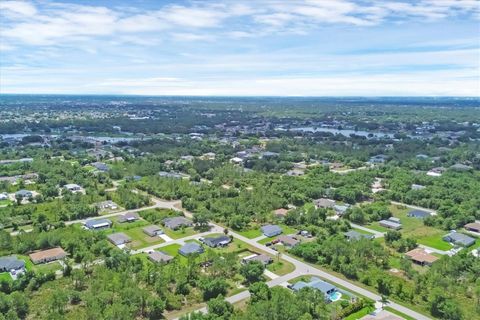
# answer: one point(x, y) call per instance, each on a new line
point(345, 132)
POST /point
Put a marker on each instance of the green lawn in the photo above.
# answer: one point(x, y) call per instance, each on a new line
point(251, 233)
point(359, 314)
point(5, 202)
point(362, 231)
point(180, 233)
point(5, 276)
point(287, 229)
point(398, 313)
point(48, 267)
point(281, 267)
point(140, 239)
point(171, 249)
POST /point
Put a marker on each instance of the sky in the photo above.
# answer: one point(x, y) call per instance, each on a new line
point(241, 47)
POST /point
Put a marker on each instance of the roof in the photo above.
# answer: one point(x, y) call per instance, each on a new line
point(271, 229)
point(280, 212)
point(159, 256)
point(129, 216)
point(288, 240)
point(315, 283)
point(420, 255)
point(354, 235)
point(152, 229)
point(11, 262)
point(72, 186)
point(215, 241)
point(418, 213)
point(23, 192)
point(324, 203)
point(118, 238)
point(45, 254)
point(473, 225)
point(96, 223)
point(190, 248)
point(341, 208)
point(176, 222)
point(460, 238)
point(390, 224)
point(263, 258)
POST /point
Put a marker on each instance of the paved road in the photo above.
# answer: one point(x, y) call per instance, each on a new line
point(376, 233)
point(432, 212)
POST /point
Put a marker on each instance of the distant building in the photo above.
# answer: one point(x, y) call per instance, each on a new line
point(171, 175)
point(436, 172)
point(341, 209)
point(96, 224)
point(190, 248)
point(459, 239)
point(419, 214)
point(118, 238)
point(177, 222)
point(23, 194)
point(417, 187)
point(3, 196)
point(72, 187)
point(128, 217)
point(288, 241)
point(100, 166)
point(474, 226)
point(153, 230)
point(354, 235)
point(378, 159)
point(391, 223)
point(421, 257)
point(271, 230)
point(220, 241)
point(10, 263)
point(263, 258)
point(159, 257)
point(315, 283)
point(47, 255)
point(107, 205)
point(324, 203)
point(460, 167)
point(280, 213)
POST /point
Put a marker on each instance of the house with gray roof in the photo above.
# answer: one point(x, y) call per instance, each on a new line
point(175, 223)
point(97, 224)
point(355, 235)
point(288, 241)
point(459, 239)
point(153, 230)
point(128, 217)
point(324, 203)
point(159, 257)
point(190, 248)
point(271, 230)
point(391, 223)
point(11, 263)
point(315, 283)
point(220, 241)
point(23, 194)
point(118, 238)
point(419, 214)
point(73, 187)
point(263, 258)
point(341, 209)
point(100, 166)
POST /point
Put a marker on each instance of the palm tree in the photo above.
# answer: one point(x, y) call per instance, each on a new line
point(384, 300)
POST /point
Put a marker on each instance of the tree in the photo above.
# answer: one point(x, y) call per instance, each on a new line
point(212, 287)
point(384, 300)
point(259, 291)
point(252, 271)
point(219, 307)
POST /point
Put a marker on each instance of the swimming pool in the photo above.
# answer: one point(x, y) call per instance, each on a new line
point(335, 296)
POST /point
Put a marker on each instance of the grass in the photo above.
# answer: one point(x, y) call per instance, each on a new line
point(140, 239)
point(359, 314)
point(5, 202)
point(398, 313)
point(180, 233)
point(48, 267)
point(362, 231)
point(287, 229)
point(281, 267)
point(251, 233)
point(5, 276)
point(171, 249)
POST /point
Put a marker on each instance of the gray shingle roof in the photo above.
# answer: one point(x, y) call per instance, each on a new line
point(11, 262)
point(190, 248)
point(271, 230)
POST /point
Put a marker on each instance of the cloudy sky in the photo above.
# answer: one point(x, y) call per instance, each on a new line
point(235, 47)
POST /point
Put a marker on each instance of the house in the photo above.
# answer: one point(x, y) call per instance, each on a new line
point(417, 187)
point(177, 222)
point(72, 187)
point(288, 241)
point(3, 196)
point(459, 239)
point(107, 205)
point(460, 167)
point(269, 154)
point(96, 224)
point(128, 217)
point(152, 230)
point(271, 230)
point(100, 166)
point(236, 160)
point(436, 172)
point(324, 203)
point(190, 248)
point(118, 238)
point(354, 235)
point(326, 288)
point(172, 175)
point(263, 258)
point(220, 241)
point(280, 213)
point(47, 255)
point(295, 172)
point(419, 214)
point(159, 257)
point(421, 257)
point(474, 226)
point(22, 194)
point(341, 209)
point(380, 158)
point(10, 263)
point(391, 223)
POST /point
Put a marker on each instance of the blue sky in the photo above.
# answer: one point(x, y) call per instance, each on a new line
point(261, 47)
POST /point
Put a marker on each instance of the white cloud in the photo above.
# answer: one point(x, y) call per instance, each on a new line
point(17, 9)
